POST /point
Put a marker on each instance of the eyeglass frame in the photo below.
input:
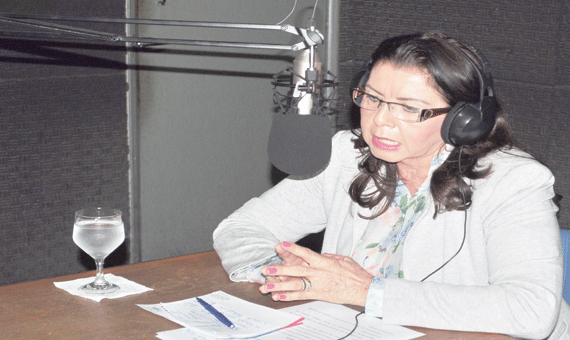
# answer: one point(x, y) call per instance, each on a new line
point(421, 116)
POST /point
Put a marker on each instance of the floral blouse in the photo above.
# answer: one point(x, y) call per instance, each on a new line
point(380, 249)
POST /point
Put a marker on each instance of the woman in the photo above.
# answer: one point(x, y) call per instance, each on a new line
point(418, 232)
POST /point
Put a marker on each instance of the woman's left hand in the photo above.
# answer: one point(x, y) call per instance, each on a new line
point(333, 278)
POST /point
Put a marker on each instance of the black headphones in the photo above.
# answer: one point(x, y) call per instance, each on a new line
point(466, 123)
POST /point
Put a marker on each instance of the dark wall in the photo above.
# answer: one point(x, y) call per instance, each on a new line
point(527, 43)
point(63, 141)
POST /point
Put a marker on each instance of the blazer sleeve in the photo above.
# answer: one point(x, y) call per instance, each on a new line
point(292, 209)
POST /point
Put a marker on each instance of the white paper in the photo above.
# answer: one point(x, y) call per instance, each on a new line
point(127, 287)
point(322, 321)
point(325, 321)
point(249, 319)
point(189, 334)
point(183, 334)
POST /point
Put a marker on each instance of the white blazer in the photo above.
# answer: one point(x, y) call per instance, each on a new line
point(506, 279)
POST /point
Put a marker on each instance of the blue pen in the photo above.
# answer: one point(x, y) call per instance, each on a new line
point(216, 313)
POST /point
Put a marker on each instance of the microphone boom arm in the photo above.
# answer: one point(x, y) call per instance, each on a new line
point(311, 37)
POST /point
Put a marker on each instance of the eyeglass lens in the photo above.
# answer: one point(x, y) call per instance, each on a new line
point(399, 111)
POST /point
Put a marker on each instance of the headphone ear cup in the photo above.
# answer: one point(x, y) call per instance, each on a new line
point(446, 127)
point(464, 125)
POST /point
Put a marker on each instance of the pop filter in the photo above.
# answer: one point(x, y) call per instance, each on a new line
point(299, 144)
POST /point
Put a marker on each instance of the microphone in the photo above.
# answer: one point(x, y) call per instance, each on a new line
point(300, 138)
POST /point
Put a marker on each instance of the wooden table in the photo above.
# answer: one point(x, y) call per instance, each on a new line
point(39, 310)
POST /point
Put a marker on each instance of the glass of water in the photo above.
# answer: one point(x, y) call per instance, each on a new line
point(98, 231)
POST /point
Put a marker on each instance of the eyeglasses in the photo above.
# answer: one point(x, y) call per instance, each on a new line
point(403, 112)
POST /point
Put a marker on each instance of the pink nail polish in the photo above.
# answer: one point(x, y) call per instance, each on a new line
point(282, 297)
point(286, 244)
point(269, 286)
point(272, 271)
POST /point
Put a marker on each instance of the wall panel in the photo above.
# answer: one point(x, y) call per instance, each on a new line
point(63, 142)
point(205, 117)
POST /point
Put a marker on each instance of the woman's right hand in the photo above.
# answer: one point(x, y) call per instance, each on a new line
point(288, 259)
point(314, 276)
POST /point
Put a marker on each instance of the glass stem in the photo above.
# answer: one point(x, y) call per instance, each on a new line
point(99, 279)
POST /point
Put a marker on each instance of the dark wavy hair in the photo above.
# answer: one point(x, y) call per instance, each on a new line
point(455, 78)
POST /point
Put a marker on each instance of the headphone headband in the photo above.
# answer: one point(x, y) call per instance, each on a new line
point(468, 123)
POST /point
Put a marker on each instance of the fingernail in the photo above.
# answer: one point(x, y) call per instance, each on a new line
point(270, 286)
point(282, 297)
point(272, 271)
point(286, 244)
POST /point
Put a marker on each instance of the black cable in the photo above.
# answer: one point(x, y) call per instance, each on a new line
point(356, 325)
point(451, 258)
point(464, 221)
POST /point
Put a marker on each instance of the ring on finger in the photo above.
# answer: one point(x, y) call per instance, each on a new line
point(306, 284)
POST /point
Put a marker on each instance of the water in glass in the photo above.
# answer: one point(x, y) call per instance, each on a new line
point(98, 238)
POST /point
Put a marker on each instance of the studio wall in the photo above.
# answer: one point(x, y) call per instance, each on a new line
point(63, 141)
point(205, 114)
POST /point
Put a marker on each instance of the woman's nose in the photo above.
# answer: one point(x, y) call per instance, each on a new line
point(383, 116)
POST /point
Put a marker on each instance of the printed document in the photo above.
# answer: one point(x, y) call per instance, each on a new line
point(321, 321)
point(250, 319)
